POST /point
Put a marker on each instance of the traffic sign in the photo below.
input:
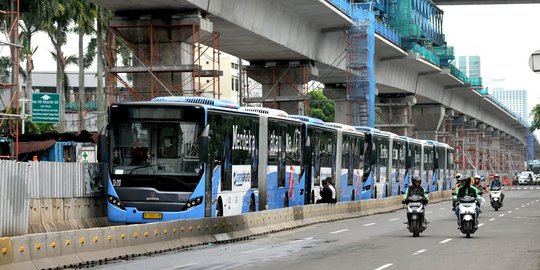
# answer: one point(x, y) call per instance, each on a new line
point(45, 108)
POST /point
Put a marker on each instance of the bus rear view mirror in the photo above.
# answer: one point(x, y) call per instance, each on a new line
point(203, 145)
point(103, 145)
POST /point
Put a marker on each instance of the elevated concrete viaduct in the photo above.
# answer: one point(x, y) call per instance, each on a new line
point(289, 43)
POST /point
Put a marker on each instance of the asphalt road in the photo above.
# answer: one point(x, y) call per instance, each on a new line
point(506, 239)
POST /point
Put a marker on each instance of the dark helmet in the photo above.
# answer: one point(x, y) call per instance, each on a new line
point(465, 180)
point(416, 180)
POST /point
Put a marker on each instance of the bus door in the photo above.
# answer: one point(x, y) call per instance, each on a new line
point(382, 148)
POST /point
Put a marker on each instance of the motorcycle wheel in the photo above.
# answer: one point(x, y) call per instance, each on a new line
point(416, 234)
point(468, 235)
point(496, 209)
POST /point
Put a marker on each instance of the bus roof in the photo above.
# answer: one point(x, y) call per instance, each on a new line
point(266, 111)
point(311, 120)
point(199, 100)
point(340, 126)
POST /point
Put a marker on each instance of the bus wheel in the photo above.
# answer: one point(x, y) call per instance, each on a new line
point(219, 208)
point(352, 196)
point(252, 204)
point(286, 201)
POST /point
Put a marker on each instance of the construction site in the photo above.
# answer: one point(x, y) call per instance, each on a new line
point(179, 55)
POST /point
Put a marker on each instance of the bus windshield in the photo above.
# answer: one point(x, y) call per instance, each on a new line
point(155, 148)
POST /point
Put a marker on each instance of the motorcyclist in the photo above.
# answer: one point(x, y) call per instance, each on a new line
point(416, 189)
point(466, 189)
point(454, 202)
point(497, 183)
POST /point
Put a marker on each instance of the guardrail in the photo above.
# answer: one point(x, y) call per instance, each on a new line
point(94, 246)
point(426, 54)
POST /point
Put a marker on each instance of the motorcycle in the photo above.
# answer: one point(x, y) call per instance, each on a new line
point(495, 198)
point(467, 215)
point(415, 215)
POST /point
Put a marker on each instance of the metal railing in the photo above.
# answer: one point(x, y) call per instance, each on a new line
point(426, 54)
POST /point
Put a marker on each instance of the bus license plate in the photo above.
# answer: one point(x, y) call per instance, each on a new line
point(151, 215)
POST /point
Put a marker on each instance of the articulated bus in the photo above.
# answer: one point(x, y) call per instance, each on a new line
point(191, 157)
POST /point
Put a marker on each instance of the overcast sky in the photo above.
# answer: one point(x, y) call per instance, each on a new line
point(504, 36)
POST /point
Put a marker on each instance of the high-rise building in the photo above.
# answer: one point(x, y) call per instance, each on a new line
point(513, 99)
point(470, 65)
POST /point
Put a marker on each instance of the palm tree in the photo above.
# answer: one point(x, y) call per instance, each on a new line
point(85, 15)
point(56, 27)
point(32, 22)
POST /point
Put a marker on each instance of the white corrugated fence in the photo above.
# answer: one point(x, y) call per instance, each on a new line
point(22, 181)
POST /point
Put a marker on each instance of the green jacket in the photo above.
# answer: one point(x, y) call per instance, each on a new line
point(411, 190)
point(471, 191)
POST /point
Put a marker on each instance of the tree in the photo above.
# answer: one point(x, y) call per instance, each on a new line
point(56, 27)
point(535, 113)
point(320, 106)
point(31, 22)
point(84, 16)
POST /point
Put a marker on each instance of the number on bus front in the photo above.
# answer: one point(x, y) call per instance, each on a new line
point(117, 182)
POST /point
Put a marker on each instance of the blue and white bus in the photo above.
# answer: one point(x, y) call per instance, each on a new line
point(191, 157)
point(350, 162)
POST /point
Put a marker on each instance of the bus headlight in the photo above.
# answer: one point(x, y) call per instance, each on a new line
point(193, 202)
point(116, 202)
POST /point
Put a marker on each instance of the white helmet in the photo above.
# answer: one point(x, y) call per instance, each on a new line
point(477, 176)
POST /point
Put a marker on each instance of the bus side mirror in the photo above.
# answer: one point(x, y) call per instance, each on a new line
point(307, 152)
point(203, 145)
point(103, 144)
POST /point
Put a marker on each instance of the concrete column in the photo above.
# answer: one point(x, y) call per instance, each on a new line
point(283, 84)
point(427, 120)
point(338, 93)
point(163, 54)
point(394, 114)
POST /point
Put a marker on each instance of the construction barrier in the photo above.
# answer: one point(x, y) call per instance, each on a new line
point(75, 248)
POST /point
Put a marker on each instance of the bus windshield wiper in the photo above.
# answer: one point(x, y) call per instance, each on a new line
point(141, 167)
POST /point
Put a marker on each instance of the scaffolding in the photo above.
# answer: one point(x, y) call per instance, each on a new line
point(156, 49)
point(10, 91)
point(360, 51)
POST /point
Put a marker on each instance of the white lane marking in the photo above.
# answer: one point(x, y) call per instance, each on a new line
point(501, 215)
point(340, 231)
point(385, 266)
point(442, 208)
point(254, 250)
point(300, 240)
point(517, 208)
point(522, 205)
point(181, 266)
point(394, 219)
point(491, 219)
point(509, 212)
point(446, 241)
point(420, 251)
point(369, 224)
point(429, 212)
point(519, 188)
point(481, 224)
point(536, 200)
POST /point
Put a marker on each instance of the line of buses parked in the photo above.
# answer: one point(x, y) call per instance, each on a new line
point(191, 157)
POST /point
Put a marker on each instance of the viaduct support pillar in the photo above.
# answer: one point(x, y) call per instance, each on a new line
point(394, 113)
point(427, 120)
point(338, 93)
point(166, 54)
point(284, 84)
